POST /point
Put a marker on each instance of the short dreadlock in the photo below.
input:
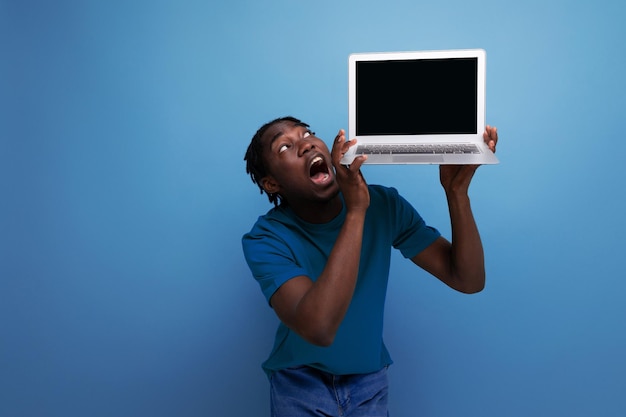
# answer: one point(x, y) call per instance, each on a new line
point(255, 164)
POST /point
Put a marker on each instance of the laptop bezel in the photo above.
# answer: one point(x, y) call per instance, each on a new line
point(480, 56)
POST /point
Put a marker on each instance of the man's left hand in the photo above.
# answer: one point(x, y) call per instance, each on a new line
point(457, 178)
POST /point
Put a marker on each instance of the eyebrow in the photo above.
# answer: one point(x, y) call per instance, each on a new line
point(281, 133)
point(276, 136)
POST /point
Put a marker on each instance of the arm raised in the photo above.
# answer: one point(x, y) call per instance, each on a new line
point(459, 264)
point(315, 309)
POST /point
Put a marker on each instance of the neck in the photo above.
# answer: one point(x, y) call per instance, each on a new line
point(318, 212)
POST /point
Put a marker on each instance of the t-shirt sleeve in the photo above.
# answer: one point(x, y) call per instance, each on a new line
point(412, 234)
point(270, 259)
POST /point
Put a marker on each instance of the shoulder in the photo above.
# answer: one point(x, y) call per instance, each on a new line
point(381, 191)
point(274, 218)
point(388, 197)
point(270, 225)
point(388, 201)
point(377, 188)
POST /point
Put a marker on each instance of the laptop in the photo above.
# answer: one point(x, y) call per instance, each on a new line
point(422, 107)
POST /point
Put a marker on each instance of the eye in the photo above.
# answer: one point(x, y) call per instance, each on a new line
point(306, 134)
point(282, 148)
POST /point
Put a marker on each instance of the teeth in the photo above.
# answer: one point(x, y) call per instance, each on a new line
point(316, 160)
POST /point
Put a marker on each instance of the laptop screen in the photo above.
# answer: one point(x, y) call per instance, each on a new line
point(416, 97)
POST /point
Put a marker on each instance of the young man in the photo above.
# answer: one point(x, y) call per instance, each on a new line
point(322, 256)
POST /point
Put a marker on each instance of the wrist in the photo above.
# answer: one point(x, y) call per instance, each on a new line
point(356, 214)
point(457, 198)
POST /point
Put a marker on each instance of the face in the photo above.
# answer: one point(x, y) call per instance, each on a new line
point(299, 164)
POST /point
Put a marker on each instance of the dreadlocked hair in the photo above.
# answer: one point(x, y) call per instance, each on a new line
point(255, 164)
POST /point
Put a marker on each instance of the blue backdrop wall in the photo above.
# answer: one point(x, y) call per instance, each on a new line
point(123, 289)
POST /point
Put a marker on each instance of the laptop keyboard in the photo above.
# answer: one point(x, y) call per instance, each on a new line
point(439, 148)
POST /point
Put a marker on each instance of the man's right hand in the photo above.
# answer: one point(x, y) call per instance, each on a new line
point(350, 179)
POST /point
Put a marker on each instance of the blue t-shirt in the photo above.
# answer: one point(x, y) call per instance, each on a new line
point(282, 246)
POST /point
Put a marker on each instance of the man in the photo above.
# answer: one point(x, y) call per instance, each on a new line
point(322, 256)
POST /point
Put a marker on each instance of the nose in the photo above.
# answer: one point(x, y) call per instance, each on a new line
point(304, 146)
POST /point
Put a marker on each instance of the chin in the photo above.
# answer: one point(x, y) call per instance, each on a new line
point(333, 191)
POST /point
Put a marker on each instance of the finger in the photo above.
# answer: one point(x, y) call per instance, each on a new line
point(347, 144)
point(487, 133)
point(355, 166)
point(338, 147)
point(342, 148)
point(340, 138)
point(494, 134)
point(490, 136)
point(494, 139)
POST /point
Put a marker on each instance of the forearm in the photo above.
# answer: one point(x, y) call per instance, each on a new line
point(323, 307)
point(467, 256)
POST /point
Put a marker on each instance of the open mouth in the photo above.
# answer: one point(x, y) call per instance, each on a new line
point(318, 170)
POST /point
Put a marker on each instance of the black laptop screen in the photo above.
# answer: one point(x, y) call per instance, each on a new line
point(416, 97)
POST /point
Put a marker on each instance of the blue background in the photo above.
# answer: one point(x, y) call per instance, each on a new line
point(123, 289)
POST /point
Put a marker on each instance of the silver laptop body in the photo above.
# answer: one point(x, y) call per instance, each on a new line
point(422, 107)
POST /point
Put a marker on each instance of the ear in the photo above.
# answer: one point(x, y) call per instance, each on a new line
point(270, 185)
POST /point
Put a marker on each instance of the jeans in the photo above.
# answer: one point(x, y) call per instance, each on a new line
point(305, 391)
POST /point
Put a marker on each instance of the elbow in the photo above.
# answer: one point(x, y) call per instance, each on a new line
point(319, 337)
point(473, 287)
point(321, 340)
point(316, 328)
